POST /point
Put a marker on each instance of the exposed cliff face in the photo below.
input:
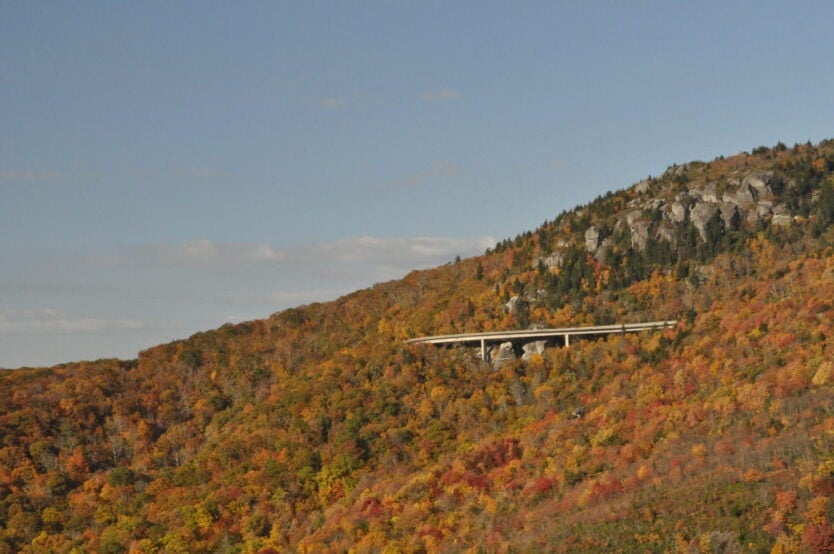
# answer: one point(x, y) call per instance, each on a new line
point(684, 197)
point(592, 239)
point(679, 222)
point(700, 215)
point(750, 198)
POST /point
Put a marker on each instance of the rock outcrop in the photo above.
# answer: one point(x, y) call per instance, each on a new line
point(781, 216)
point(639, 229)
point(729, 213)
point(667, 233)
point(677, 212)
point(700, 215)
point(707, 193)
point(592, 239)
point(554, 260)
point(747, 200)
point(502, 354)
point(764, 211)
point(601, 255)
point(535, 348)
point(759, 182)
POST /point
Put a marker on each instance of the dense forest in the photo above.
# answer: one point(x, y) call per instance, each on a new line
point(318, 429)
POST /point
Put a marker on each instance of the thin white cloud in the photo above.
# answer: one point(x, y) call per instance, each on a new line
point(54, 322)
point(200, 251)
point(403, 253)
point(261, 253)
point(258, 302)
point(205, 252)
point(440, 96)
point(361, 261)
point(294, 298)
point(143, 296)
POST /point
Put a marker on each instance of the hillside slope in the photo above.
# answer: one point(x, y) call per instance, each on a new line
point(317, 429)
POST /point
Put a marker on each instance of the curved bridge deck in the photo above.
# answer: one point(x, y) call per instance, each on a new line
point(564, 333)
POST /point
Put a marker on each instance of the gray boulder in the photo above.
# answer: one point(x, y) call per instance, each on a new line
point(729, 210)
point(601, 254)
point(781, 216)
point(742, 195)
point(667, 233)
point(639, 229)
point(591, 239)
point(676, 170)
point(700, 215)
point(764, 210)
point(551, 261)
point(533, 348)
point(707, 193)
point(502, 354)
point(759, 182)
point(677, 212)
point(554, 260)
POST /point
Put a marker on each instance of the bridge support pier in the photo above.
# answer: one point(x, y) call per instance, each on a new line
point(526, 335)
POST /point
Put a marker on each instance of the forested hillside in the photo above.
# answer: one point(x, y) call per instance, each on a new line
point(318, 430)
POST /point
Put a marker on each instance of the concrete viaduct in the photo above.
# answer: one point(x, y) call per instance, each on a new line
point(561, 335)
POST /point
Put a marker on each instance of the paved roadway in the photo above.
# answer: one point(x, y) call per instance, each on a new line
point(538, 334)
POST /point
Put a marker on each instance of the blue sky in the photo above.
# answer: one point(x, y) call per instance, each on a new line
point(166, 167)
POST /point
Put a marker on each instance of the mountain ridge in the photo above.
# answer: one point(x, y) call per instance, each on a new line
point(317, 429)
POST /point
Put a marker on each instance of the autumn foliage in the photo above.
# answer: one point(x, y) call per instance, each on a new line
point(318, 430)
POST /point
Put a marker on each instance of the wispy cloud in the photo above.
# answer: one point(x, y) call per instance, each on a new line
point(401, 253)
point(360, 261)
point(368, 259)
point(295, 298)
point(136, 297)
point(203, 251)
point(440, 96)
point(54, 322)
point(28, 175)
point(437, 168)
